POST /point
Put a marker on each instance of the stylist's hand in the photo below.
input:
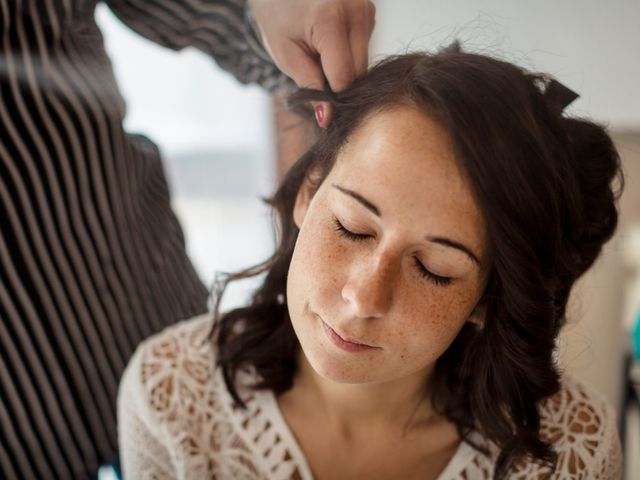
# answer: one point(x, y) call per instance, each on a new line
point(317, 41)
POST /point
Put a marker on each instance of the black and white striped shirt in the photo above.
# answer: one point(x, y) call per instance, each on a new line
point(92, 258)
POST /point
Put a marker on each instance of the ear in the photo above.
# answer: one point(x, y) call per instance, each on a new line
point(478, 315)
point(303, 200)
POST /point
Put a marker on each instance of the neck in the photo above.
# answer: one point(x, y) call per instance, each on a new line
point(400, 404)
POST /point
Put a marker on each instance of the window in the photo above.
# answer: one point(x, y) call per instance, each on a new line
point(216, 139)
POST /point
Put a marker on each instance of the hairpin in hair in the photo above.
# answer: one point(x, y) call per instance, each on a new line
point(559, 96)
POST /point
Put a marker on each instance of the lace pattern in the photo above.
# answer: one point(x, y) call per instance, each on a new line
point(177, 420)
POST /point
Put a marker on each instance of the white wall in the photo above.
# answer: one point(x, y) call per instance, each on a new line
point(593, 46)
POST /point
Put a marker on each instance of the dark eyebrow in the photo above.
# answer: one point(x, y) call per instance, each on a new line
point(440, 240)
point(366, 203)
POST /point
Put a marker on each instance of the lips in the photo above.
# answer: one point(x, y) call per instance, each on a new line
point(348, 339)
point(347, 343)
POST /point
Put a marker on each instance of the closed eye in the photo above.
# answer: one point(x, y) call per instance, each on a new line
point(437, 279)
point(422, 270)
point(356, 237)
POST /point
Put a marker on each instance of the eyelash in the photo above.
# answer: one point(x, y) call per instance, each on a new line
point(357, 237)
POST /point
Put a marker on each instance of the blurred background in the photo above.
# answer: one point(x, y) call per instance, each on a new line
point(224, 145)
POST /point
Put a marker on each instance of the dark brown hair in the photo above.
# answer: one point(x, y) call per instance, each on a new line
point(543, 182)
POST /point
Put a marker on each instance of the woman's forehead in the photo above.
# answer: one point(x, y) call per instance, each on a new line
point(405, 149)
point(401, 140)
point(404, 162)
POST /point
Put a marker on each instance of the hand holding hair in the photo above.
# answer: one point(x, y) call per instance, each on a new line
point(317, 42)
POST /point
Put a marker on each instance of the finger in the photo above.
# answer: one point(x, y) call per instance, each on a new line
point(361, 23)
point(371, 18)
point(332, 43)
point(303, 68)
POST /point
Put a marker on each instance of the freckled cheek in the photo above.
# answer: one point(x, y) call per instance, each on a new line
point(323, 254)
point(432, 322)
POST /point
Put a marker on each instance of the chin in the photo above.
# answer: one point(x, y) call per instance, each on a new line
point(340, 370)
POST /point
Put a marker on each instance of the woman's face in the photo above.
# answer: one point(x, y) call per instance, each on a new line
point(390, 259)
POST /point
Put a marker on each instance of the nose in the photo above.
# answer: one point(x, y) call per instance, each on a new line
point(369, 287)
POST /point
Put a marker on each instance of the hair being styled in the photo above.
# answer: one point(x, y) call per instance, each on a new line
point(543, 182)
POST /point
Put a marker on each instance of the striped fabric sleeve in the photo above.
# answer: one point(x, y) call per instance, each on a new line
point(222, 29)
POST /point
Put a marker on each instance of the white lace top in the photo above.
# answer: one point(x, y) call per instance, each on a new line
point(176, 420)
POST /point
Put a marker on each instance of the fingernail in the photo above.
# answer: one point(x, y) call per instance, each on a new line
point(320, 114)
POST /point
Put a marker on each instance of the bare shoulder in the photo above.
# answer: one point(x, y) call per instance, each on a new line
point(581, 426)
